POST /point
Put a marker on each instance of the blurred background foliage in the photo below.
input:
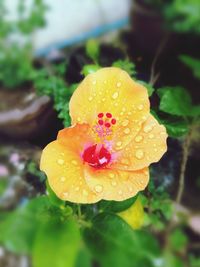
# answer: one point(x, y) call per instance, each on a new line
point(159, 227)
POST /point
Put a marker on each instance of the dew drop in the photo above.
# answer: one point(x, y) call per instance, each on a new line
point(90, 98)
point(151, 136)
point(113, 183)
point(138, 138)
point(139, 154)
point(147, 128)
point(119, 143)
point(85, 193)
point(111, 175)
point(98, 188)
point(65, 194)
point(144, 117)
point(62, 179)
point(120, 192)
point(127, 131)
point(130, 189)
point(125, 161)
point(94, 82)
point(77, 188)
point(125, 122)
point(119, 84)
point(60, 161)
point(78, 119)
point(115, 95)
point(129, 113)
point(74, 162)
point(140, 107)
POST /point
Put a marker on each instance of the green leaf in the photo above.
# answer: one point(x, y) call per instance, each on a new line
point(18, 228)
point(93, 49)
point(84, 258)
point(56, 244)
point(88, 69)
point(178, 240)
point(192, 63)
point(170, 260)
point(148, 86)
point(126, 65)
point(176, 129)
point(116, 206)
point(113, 243)
point(175, 101)
point(175, 126)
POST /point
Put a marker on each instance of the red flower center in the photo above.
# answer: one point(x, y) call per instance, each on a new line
point(96, 156)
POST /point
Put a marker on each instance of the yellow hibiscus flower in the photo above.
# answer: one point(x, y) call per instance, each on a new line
point(113, 139)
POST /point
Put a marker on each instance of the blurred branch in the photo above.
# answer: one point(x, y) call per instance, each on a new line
point(186, 149)
point(153, 75)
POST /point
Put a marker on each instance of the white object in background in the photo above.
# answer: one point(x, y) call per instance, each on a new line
point(71, 21)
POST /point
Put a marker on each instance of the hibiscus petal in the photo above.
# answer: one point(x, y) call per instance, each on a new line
point(115, 184)
point(64, 170)
point(148, 146)
point(111, 91)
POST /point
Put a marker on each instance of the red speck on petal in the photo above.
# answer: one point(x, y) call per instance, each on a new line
point(100, 122)
point(113, 121)
point(107, 124)
point(100, 115)
point(108, 115)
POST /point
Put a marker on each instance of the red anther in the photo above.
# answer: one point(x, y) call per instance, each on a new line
point(100, 122)
point(113, 121)
point(108, 115)
point(100, 115)
point(107, 124)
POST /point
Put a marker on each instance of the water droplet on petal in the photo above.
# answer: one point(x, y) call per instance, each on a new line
point(77, 188)
point(78, 119)
point(60, 161)
point(74, 162)
point(113, 183)
point(125, 122)
point(138, 138)
point(129, 113)
point(139, 154)
point(140, 107)
point(151, 136)
point(65, 194)
point(119, 143)
point(130, 189)
point(111, 175)
point(98, 188)
point(85, 193)
point(119, 84)
point(120, 192)
point(62, 179)
point(115, 95)
point(94, 82)
point(147, 128)
point(127, 131)
point(125, 161)
point(90, 98)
